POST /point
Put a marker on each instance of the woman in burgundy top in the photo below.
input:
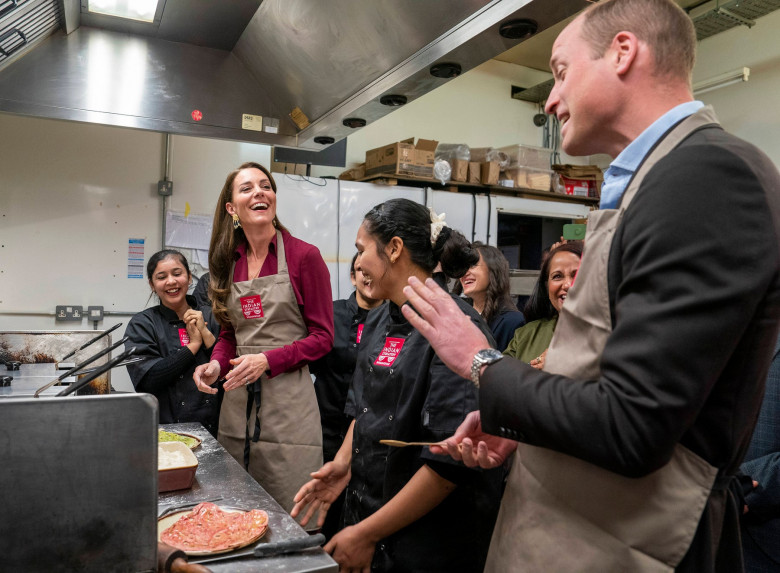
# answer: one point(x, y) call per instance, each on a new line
point(271, 294)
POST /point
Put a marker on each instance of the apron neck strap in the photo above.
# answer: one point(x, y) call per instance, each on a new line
point(704, 117)
point(281, 259)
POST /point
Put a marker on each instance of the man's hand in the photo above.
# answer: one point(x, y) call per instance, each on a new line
point(326, 485)
point(453, 336)
point(474, 447)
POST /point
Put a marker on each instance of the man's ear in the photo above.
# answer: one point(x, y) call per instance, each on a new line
point(624, 50)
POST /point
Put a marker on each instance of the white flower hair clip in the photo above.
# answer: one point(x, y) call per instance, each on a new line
point(437, 224)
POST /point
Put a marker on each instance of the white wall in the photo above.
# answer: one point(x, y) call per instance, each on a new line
point(748, 109)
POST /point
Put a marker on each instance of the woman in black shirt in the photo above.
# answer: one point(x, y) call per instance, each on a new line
point(175, 336)
point(405, 509)
point(333, 374)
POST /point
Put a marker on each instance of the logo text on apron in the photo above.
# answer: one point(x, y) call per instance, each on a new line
point(390, 351)
point(252, 307)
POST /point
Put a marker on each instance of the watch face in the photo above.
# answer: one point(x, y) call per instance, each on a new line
point(490, 355)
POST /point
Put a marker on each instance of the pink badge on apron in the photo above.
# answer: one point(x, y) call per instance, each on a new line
point(252, 307)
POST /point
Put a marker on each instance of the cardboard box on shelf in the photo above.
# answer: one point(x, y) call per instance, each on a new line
point(489, 171)
point(288, 168)
point(354, 174)
point(528, 156)
point(403, 158)
point(583, 180)
point(530, 178)
point(460, 170)
point(475, 172)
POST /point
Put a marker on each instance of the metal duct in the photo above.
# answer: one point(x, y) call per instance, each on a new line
point(718, 16)
point(203, 67)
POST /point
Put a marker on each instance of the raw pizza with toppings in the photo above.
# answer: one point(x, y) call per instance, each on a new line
point(208, 528)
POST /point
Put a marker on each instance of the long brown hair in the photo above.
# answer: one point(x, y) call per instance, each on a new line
point(224, 240)
point(497, 297)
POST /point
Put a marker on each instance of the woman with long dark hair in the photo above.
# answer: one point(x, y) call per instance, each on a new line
point(559, 268)
point(487, 285)
point(405, 508)
point(174, 336)
point(271, 293)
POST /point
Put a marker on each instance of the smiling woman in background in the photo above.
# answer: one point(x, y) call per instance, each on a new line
point(487, 285)
point(559, 268)
point(271, 294)
point(175, 336)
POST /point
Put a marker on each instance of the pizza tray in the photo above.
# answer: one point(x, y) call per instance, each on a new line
point(165, 522)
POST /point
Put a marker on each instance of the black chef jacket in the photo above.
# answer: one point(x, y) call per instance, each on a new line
point(333, 373)
point(157, 333)
point(403, 391)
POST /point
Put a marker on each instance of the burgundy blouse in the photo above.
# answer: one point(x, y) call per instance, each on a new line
point(311, 283)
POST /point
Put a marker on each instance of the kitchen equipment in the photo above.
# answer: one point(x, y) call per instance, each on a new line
point(402, 444)
point(133, 360)
point(83, 346)
point(289, 545)
point(77, 367)
point(79, 491)
point(176, 466)
point(105, 368)
point(263, 549)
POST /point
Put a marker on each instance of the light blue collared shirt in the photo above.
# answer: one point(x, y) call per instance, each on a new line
point(620, 171)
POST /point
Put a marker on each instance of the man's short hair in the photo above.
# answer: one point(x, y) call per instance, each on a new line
point(661, 24)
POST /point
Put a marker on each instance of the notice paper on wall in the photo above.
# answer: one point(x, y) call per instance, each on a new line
point(187, 231)
point(135, 258)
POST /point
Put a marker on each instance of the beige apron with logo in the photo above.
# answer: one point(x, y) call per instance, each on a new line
point(560, 513)
point(265, 315)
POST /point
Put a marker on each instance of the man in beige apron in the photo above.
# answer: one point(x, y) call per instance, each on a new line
point(659, 339)
point(283, 431)
point(604, 520)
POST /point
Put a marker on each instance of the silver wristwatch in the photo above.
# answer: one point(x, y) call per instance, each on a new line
point(482, 358)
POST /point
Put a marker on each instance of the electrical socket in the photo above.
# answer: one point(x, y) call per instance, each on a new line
point(66, 313)
point(164, 187)
point(95, 313)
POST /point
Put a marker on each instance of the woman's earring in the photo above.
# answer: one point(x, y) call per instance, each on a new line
point(236, 221)
point(275, 222)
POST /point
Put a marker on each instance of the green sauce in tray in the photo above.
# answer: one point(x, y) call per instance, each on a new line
point(190, 442)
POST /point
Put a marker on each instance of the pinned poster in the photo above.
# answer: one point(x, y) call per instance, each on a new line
point(187, 231)
point(135, 258)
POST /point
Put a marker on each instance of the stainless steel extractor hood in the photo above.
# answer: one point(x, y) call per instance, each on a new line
point(237, 69)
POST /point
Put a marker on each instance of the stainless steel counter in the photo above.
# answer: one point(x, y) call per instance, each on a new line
point(219, 474)
point(30, 377)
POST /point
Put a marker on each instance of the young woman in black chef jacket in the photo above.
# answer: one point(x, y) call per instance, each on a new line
point(405, 509)
point(175, 336)
point(333, 374)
